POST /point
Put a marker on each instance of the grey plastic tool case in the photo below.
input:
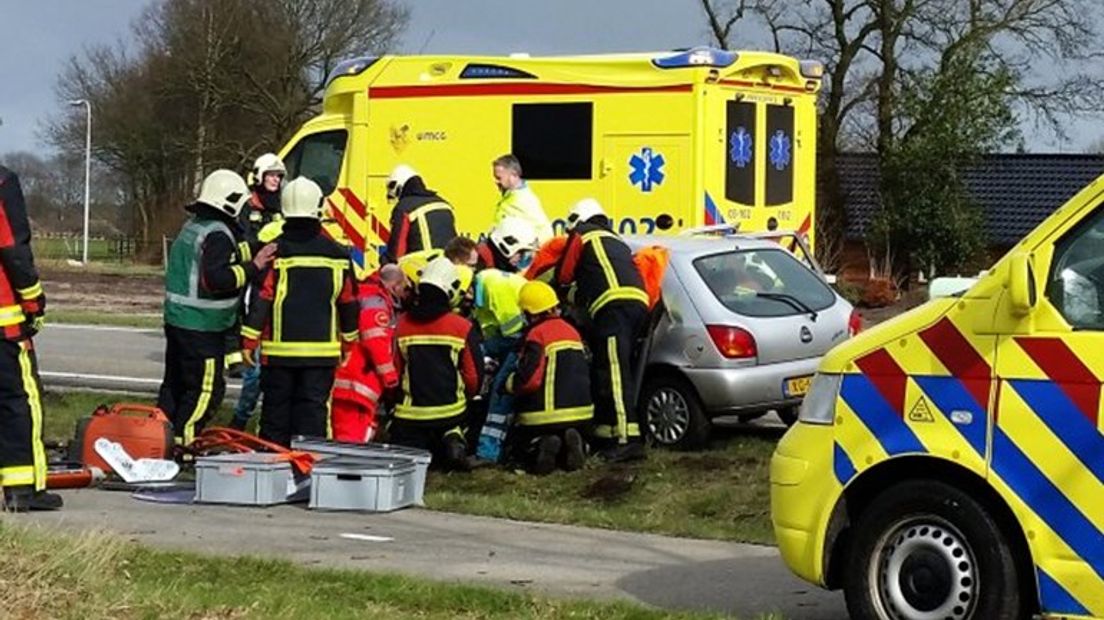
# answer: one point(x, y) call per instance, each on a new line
point(252, 479)
point(367, 485)
point(421, 458)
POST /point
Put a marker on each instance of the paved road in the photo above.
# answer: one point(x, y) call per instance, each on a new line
point(672, 573)
point(104, 358)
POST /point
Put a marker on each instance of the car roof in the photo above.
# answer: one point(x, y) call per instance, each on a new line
point(701, 244)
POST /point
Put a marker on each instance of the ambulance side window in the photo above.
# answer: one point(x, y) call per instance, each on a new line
point(1076, 282)
point(318, 157)
point(553, 140)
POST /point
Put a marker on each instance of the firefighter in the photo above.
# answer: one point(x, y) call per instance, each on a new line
point(496, 310)
point(551, 387)
point(203, 284)
point(262, 222)
point(370, 369)
point(304, 320)
point(439, 367)
point(518, 199)
point(420, 219)
point(610, 293)
point(22, 312)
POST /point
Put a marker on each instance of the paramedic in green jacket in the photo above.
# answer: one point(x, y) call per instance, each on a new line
point(208, 268)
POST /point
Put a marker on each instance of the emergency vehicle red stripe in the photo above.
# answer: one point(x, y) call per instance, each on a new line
point(956, 353)
point(353, 201)
point(347, 227)
point(1062, 366)
point(806, 224)
point(515, 88)
point(887, 376)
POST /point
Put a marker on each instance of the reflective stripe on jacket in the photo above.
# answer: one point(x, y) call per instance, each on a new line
point(552, 382)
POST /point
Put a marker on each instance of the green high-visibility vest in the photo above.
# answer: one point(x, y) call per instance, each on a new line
point(186, 306)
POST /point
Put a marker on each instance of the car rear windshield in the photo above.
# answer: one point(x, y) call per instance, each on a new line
point(764, 283)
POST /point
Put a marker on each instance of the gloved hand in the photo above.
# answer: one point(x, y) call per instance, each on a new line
point(35, 322)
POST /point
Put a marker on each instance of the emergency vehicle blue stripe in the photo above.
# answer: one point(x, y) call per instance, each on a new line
point(1055, 599)
point(878, 415)
point(949, 395)
point(1064, 419)
point(842, 465)
point(1047, 501)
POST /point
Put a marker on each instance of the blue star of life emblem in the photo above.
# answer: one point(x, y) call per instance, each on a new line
point(647, 169)
point(740, 147)
point(780, 151)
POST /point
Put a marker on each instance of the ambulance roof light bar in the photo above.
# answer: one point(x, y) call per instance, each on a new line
point(353, 66)
point(697, 57)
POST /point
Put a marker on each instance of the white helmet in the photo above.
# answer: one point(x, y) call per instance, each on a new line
point(441, 273)
point(512, 235)
point(269, 162)
point(583, 211)
point(224, 190)
point(301, 198)
point(399, 176)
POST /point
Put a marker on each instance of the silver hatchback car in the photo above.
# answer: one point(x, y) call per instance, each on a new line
point(741, 330)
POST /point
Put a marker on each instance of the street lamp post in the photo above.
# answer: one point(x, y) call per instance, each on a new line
point(87, 170)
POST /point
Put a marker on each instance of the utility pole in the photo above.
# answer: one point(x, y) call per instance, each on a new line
point(87, 170)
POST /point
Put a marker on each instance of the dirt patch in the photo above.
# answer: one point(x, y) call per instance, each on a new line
point(611, 486)
point(98, 292)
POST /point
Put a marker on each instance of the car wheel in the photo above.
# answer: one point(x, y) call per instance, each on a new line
point(788, 415)
point(925, 549)
point(673, 415)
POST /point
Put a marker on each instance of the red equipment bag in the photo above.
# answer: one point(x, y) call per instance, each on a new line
point(143, 431)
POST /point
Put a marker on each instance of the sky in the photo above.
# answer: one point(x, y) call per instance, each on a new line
point(40, 35)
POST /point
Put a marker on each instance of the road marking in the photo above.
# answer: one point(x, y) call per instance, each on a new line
point(367, 537)
point(46, 374)
point(103, 328)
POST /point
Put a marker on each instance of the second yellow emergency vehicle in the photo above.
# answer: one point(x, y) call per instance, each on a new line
point(666, 141)
point(949, 463)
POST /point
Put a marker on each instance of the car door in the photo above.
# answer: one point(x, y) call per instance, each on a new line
point(1047, 445)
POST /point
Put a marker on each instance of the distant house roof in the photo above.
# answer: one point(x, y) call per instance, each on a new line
point(1015, 191)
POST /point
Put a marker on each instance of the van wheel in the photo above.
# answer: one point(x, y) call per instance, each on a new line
point(673, 415)
point(925, 549)
point(788, 415)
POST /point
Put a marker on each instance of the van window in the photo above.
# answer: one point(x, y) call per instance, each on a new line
point(764, 283)
point(1076, 283)
point(318, 157)
point(553, 140)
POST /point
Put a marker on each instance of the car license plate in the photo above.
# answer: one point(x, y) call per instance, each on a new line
point(797, 386)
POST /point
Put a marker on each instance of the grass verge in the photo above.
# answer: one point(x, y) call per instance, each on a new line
point(722, 493)
point(98, 576)
point(88, 317)
point(106, 267)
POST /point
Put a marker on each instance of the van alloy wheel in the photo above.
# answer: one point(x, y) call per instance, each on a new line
point(924, 570)
point(668, 415)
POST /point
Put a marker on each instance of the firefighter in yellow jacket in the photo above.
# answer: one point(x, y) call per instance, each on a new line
point(551, 387)
point(304, 320)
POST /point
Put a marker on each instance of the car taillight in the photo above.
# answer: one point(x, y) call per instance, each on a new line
point(732, 342)
point(854, 324)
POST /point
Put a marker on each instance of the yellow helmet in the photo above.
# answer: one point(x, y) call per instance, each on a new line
point(536, 297)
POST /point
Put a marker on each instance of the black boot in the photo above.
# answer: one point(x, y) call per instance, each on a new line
point(574, 450)
point(25, 498)
point(456, 454)
point(632, 451)
point(548, 448)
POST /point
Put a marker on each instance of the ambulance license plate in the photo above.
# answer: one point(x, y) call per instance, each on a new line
point(797, 386)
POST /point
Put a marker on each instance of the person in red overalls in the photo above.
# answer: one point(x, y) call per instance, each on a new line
point(370, 370)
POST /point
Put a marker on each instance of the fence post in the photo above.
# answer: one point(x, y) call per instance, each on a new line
point(165, 252)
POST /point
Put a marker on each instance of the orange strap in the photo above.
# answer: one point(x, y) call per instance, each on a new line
point(222, 440)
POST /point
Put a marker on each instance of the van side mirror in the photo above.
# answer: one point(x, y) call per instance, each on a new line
point(1022, 294)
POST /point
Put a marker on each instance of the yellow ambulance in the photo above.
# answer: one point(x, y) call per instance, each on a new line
point(666, 141)
point(949, 463)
